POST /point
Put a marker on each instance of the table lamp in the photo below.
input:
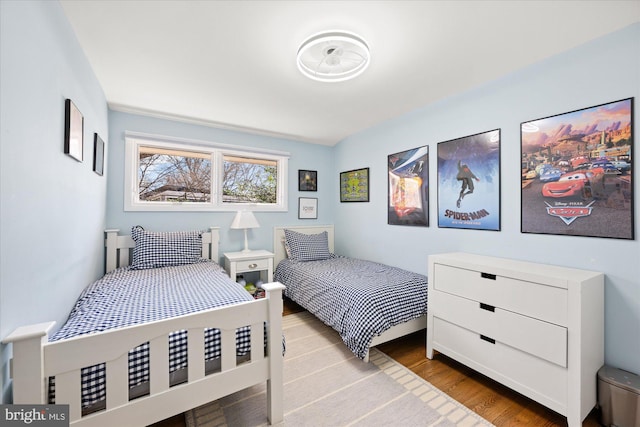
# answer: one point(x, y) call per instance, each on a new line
point(245, 220)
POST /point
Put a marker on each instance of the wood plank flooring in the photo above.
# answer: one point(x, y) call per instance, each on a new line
point(493, 401)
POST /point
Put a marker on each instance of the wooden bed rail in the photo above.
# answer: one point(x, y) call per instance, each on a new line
point(35, 359)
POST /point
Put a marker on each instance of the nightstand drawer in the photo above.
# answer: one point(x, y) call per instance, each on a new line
point(251, 265)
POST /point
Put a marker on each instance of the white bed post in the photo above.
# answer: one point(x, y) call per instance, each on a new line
point(27, 364)
point(275, 386)
point(111, 243)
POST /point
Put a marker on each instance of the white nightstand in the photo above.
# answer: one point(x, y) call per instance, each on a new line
point(243, 262)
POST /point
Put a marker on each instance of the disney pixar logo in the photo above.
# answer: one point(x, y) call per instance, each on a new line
point(37, 415)
point(568, 214)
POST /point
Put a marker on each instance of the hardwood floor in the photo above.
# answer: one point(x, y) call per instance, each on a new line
point(491, 400)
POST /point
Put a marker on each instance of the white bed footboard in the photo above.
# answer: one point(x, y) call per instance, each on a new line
point(35, 359)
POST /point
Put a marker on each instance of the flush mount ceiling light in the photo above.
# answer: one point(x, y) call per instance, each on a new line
point(333, 56)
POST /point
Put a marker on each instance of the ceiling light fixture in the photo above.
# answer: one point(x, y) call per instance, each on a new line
point(333, 56)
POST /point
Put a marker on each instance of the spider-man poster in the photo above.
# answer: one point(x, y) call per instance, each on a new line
point(469, 182)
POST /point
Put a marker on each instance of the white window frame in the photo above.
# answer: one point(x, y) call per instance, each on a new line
point(132, 202)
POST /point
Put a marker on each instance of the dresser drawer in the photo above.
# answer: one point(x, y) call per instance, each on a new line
point(256, 264)
point(542, 302)
point(541, 339)
point(536, 378)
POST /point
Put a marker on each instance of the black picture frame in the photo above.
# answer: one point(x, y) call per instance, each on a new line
point(307, 180)
point(408, 187)
point(469, 183)
point(354, 185)
point(307, 208)
point(98, 154)
point(577, 172)
point(73, 131)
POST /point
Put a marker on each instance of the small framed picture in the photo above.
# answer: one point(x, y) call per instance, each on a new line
point(307, 208)
point(307, 180)
point(73, 130)
point(354, 185)
point(98, 154)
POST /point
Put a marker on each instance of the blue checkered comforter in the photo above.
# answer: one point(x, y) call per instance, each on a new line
point(359, 299)
point(127, 297)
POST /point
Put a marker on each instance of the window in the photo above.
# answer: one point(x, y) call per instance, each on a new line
point(166, 174)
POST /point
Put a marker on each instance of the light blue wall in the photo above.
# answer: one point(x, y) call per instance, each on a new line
point(53, 208)
point(302, 156)
point(607, 69)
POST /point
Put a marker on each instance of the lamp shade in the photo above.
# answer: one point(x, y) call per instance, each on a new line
point(245, 219)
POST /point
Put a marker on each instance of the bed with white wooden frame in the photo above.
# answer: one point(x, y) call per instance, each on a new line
point(35, 359)
point(394, 332)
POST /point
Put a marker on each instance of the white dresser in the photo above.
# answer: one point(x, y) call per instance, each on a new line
point(536, 328)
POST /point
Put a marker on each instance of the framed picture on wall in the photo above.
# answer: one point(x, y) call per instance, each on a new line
point(354, 185)
point(577, 172)
point(307, 208)
point(73, 130)
point(98, 154)
point(307, 180)
point(469, 182)
point(408, 187)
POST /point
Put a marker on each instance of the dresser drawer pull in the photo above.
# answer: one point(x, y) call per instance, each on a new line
point(488, 276)
point(487, 307)
point(487, 339)
point(253, 265)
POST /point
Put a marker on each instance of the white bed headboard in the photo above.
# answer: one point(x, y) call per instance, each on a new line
point(119, 247)
point(278, 238)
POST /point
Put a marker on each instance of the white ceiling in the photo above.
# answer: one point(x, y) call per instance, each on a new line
point(231, 64)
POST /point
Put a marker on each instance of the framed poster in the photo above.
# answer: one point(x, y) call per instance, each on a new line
point(98, 154)
point(469, 182)
point(307, 180)
point(408, 187)
point(354, 185)
point(307, 208)
point(73, 130)
point(577, 172)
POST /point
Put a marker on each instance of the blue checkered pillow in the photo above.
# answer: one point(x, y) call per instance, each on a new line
point(163, 249)
point(306, 247)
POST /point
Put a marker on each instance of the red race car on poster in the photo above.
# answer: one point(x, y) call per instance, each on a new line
point(572, 184)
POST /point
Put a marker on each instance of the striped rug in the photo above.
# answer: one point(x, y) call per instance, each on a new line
point(326, 385)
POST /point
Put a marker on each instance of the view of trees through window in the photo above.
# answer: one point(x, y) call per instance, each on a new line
point(169, 175)
point(174, 176)
point(249, 180)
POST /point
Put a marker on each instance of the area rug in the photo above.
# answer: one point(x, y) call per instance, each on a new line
point(326, 385)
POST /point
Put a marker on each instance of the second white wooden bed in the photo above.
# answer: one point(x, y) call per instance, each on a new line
point(35, 359)
point(392, 333)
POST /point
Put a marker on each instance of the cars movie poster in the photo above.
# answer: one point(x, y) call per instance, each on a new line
point(577, 171)
point(469, 182)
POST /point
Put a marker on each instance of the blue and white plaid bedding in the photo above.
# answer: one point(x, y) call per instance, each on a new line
point(127, 297)
point(359, 299)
